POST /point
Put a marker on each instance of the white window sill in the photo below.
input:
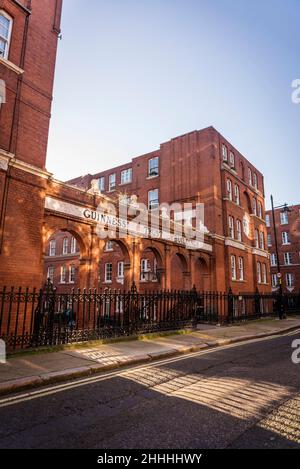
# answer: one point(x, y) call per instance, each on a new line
point(11, 66)
point(152, 177)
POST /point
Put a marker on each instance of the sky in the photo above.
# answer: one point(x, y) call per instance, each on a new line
point(131, 74)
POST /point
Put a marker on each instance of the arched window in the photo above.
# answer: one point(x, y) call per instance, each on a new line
point(259, 278)
point(237, 194)
point(229, 189)
point(5, 33)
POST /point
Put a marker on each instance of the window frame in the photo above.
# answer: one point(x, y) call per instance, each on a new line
point(108, 271)
point(233, 267)
point(52, 248)
point(65, 246)
point(239, 233)
point(285, 235)
point(112, 177)
point(126, 180)
point(224, 152)
point(101, 184)
point(231, 230)
point(50, 276)
point(63, 274)
point(8, 39)
point(150, 207)
point(284, 218)
point(241, 268)
point(259, 272)
point(120, 272)
point(73, 245)
point(288, 258)
point(151, 170)
point(72, 273)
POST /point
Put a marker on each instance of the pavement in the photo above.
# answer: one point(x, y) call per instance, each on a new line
point(34, 370)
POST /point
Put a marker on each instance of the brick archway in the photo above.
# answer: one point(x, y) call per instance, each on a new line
point(202, 272)
point(83, 236)
point(180, 271)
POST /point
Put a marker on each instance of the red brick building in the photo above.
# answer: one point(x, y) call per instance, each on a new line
point(288, 237)
point(199, 167)
point(29, 32)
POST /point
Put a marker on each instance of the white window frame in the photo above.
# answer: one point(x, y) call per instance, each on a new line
point(241, 268)
point(154, 202)
point(145, 268)
point(112, 182)
point(268, 220)
point(126, 176)
point(254, 206)
point(290, 280)
point(239, 230)
point(153, 167)
point(275, 282)
point(250, 176)
point(233, 267)
point(288, 258)
point(8, 39)
point(229, 189)
point(63, 274)
point(237, 194)
point(285, 238)
point(259, 277)
point(231, 227)
point(52, 248)
point(101, 184)
point(73, 245)
point(264, 274)
point(260, 209)
point(262, 240)
point(120, 270)
point(256, 236)
point(65, 246)
point(284, 218)
point(50, 273)
point(232, 159)
point(255, 181)
point(109, 246)
point(273, 260)
point(72, 273)
point(224, 152)
point(108, 272)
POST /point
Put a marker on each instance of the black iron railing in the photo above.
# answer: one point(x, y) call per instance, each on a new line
point(45, 318)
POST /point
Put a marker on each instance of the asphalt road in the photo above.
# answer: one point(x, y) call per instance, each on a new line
point(242, 396)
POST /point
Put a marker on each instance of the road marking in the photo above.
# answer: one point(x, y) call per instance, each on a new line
point(56, 388)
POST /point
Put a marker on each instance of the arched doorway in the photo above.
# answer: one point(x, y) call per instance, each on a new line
point(151, 275)
point(180, 274)
point(115, 265)
point(202, 274)
point(63, 251)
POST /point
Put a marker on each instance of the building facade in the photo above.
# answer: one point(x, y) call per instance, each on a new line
point(199, 167)
point(287, 225)
point(29, 31)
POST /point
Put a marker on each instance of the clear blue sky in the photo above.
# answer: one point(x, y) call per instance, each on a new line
point(132, 74)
